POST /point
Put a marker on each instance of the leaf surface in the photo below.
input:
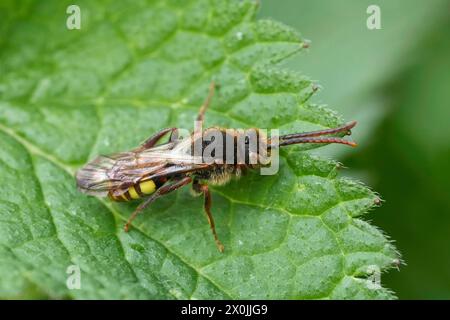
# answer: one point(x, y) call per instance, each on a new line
point(136, 67)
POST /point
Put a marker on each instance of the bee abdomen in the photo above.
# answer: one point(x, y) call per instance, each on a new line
point(137, 191)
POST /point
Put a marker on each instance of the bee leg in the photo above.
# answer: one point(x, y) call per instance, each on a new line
point(150, 142)
point(173, 135)
point(203, 188)
point(165, 189)
point(205, 105)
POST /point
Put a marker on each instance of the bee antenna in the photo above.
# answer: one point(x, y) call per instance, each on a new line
point(319, 136)
point(315, 140)
point(346, 128)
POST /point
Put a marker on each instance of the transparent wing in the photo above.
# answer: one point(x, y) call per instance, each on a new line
point(99, 176)
point(120, 171)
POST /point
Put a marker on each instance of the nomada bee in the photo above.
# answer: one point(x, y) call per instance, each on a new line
point(153, 170)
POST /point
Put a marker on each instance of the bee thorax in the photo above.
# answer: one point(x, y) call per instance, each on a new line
point(220, 175)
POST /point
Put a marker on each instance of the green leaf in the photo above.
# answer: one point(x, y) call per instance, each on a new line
point(133, 68)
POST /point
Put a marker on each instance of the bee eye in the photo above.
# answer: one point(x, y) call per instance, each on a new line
point(247, 140)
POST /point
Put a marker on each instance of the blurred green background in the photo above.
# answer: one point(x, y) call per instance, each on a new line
point(396, 83)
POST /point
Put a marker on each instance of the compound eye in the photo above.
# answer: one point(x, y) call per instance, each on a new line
point(247, 140)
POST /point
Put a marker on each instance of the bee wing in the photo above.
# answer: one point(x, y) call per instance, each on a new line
point(100, 175)
point(120, 171)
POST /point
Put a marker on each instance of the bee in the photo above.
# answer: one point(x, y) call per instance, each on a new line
point(155, 169)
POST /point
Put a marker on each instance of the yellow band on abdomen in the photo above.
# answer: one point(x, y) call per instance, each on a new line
point(133, 193)
point(147, 187)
